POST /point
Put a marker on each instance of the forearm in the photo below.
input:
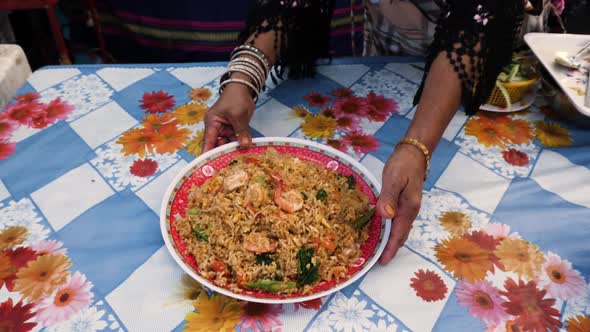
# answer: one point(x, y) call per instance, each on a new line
point(438, 103)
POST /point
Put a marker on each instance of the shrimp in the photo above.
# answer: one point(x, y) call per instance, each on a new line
point(255, 195)
point(259, 244)
point(235, 181)
point(290, 201)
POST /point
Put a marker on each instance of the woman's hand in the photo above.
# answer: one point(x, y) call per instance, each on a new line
point(228, 118)
point(401, 195)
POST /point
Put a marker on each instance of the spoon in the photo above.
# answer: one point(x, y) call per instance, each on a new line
point(564, 59)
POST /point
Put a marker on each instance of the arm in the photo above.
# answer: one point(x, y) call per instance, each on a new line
point(465, 60)
point(291, 33)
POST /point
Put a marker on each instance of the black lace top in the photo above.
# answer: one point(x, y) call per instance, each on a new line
point(477, 37)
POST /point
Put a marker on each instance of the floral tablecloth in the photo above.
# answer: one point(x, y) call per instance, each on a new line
point(86, 153)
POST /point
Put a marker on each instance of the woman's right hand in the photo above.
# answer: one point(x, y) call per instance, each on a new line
point(227, 120)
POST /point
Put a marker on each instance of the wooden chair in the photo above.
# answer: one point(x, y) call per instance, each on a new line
point(49, 6)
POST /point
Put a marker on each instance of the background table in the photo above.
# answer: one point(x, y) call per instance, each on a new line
point(507, 199)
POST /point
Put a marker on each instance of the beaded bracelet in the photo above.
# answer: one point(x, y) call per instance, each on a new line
point(256, 56)
point(252, 64)
point(254, 50)
point(248, 72)
point(244, 82)
point(420, 146)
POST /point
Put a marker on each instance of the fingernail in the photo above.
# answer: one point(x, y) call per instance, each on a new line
point(389, 210)
point(243, 140)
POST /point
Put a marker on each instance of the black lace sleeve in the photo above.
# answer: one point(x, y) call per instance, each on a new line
point(303, 27)
point(477, 37)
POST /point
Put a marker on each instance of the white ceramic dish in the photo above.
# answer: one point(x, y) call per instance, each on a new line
point(205, 166)
point(572, 82)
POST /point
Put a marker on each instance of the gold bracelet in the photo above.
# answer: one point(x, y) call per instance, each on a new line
point(416, 143)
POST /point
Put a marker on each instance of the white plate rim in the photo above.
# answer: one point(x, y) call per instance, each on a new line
point(531, 94)
point(170, 247)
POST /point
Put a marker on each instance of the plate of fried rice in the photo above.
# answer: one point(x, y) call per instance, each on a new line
point(284, 220)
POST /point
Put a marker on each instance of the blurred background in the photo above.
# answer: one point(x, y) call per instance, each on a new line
point(124, 31)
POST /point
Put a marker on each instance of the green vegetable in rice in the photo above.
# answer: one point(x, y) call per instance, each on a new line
point(304, 196)
point(259, 179)
point(321, 195)
point(194, 212)
point(272, 286)
point(364, 220)
point(307, 272)
point(233, 162)
point(200, 234)
point(264, 259)
point(349, 180)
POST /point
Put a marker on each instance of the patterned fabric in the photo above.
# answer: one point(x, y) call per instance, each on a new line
point(400, 27)
point(183, 31)
point(86, 154)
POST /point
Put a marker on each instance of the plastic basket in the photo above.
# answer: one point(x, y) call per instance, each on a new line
point(516, 90)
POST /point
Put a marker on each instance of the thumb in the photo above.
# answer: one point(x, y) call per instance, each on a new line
point(387, 202)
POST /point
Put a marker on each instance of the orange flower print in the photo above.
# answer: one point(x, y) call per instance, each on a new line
point(12, 236)
point(464, 259)
point(42, 276)
point(171, 138)
point(200, 94)
point(155, 123)
point(518, 131)
point(5, 267)
point(552, 134)
point(215, 313)
point(488, 132)
point(139, 141)
point(578, 323)
point(455, 222)
point(191, 113)
point(520, 257)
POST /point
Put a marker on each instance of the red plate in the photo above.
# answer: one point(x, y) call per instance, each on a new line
point(204, 167)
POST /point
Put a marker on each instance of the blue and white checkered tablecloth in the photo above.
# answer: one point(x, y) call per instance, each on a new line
point(79, 204)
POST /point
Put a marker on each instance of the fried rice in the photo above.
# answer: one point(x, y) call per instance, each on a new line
point(274, 223)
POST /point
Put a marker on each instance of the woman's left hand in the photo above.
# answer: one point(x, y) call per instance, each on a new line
point(401, 195)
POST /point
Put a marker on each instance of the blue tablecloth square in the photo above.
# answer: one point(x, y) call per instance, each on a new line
point(109, 241)
point(42, 158)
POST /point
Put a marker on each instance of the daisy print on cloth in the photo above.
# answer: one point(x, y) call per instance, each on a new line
point(38, 286)
point(85, 92)
point(391, 85)
point(504, 281)
point(31, 112)
point(509, 144)
point(441, 215)
point(145, 151)
point(217, 312)
point(507, 282)
point(355, 313)
point(340, 121)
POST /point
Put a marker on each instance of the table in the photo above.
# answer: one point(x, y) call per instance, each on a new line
point(503, 229)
